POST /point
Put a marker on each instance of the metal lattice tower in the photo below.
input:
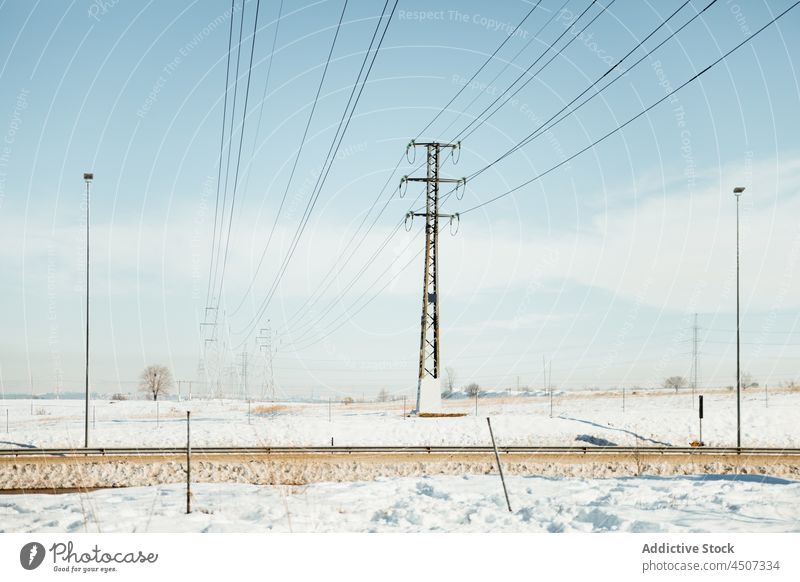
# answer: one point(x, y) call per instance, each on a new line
point(429, 363)
point(264, 340)
point(694, 358)
point(244, 375)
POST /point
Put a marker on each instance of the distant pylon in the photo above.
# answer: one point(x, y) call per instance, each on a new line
point(244, 374)
point(429, 362)
point(264, 340)
point(694, 359)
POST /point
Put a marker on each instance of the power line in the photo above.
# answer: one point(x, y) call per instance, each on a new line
point(326, 283)
point(302, 330)
point(261, 105)
point(539, 71)
point(230, 149)
point(546, 126)
point(534, 37)
point(483, 66)
point(297, 155)
point(239, 153)
point(315, 195)
point(327, 280)
point(525, 72)
point(635, 117)
point(329, 332)
point(221, 148)
point(339, 134)
point(473, 77)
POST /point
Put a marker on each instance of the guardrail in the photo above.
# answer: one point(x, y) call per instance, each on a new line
point(509, 450)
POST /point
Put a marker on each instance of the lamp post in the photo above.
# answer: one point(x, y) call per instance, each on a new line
point(737, 191)
point(87, 177)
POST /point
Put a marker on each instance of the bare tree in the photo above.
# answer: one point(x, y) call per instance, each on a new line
point(450, 382)
point(748, 381)
point(383, 395)
point(472, 389)
point(676, 382)
point(155, 381)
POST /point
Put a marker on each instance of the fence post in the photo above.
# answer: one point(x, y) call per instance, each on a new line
point(188, 463)
point(701, 419)
point(499, 466)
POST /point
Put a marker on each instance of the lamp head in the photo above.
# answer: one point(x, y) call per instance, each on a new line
point(88, 176)
point(738, 190)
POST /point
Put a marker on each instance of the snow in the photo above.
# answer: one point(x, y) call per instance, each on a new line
point(711, 503)
point(655, 418)
point(461, 503)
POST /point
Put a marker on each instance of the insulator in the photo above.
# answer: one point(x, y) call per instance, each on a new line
point(455, 219)
point(456, 153)
point(409, 221)
point(411, 147)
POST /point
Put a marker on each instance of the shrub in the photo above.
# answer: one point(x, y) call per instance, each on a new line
point(472, 389)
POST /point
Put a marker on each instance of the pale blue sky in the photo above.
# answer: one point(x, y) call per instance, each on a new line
point(600, 265)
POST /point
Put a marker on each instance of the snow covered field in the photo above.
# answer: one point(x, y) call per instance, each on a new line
point(656, 418)
point(730, 503)
point(452, 504)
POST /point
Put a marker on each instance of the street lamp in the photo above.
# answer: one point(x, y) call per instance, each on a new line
point(87, 177)
point(737, 191)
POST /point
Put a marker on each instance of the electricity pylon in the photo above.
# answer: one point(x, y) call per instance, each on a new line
point(694, 359)
point(264, 340)
point(429, 363)
point(244, 374)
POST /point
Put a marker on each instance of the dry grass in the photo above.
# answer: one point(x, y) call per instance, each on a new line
point(270, 408)
point(441, 414)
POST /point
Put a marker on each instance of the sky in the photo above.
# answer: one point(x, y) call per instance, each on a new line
point(596, 266)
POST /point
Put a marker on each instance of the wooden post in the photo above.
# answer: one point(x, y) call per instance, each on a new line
point(499, 466)
point(701, 419)
point(188, 463)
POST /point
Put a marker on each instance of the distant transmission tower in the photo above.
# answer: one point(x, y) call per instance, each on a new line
point(428, 392)
point(214, 362)
point(264, 339)
point(694, 359)
point(244, 374)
